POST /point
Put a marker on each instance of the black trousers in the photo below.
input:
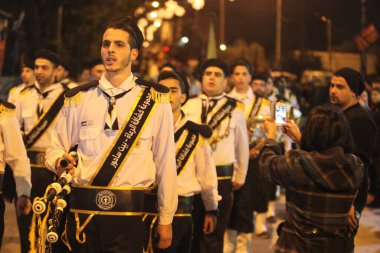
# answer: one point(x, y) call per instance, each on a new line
point(260, 189)
point(41, 178)
point(212, 243)
point(182, 230)
point(107, 234)
point(241, 218)
point(2, 209)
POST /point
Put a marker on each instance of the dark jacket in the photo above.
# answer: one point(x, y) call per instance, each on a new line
point(320, 189)
point(364, 132)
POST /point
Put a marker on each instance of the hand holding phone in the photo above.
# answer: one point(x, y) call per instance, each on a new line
point(280, 113)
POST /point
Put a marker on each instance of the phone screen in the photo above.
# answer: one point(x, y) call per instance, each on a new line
point(280, 114)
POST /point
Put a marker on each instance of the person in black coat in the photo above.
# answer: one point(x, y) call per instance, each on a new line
point(345, 87)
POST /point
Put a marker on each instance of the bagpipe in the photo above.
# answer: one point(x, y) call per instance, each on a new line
point(48, 211)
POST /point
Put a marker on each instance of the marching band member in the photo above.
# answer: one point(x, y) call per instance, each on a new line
point(124, 130)
point(229, 142)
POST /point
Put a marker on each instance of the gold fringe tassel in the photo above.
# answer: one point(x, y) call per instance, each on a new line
point(6, 112)
point(162, 98)
point(75, 100)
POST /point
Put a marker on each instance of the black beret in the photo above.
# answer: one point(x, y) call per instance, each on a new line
point(353, 78)
point(130, 26)
point(242, 62)
point(261, 76)
point(28, 64)
point(48, 55)
point(177, 76)
point(215, 62)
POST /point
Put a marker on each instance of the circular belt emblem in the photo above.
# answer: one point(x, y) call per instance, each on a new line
point(105, 200)
point(40, 158)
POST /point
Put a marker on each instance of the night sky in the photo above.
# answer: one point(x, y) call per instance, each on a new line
point(254, 20)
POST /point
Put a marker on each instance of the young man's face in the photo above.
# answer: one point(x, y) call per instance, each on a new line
point(61, 73)
point(27, 75)
point(241, 78)
point(213, 81)
point(259, 87)
point(340, 93)
point(375, 96)
point(116, 51)
point(97, 71)
point(176, 95)
point(44, 71)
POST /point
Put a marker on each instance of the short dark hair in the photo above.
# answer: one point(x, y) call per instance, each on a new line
point(326, 127)
point(183, 83)
point(215, 62)
point(128, 25)
point(244, 63)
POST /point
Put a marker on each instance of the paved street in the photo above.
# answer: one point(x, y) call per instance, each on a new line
point(367, 241)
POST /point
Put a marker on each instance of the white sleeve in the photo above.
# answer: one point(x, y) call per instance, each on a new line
point(63, 136)
point(15, 155)
point(205, 172)
point(241, 147)
point(164, 158)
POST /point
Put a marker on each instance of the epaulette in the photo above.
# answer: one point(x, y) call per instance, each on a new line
point(239, 105)
point(6, 109)
point(281, 98)
point(160, 93)
point(73, 96)
point(204, 130)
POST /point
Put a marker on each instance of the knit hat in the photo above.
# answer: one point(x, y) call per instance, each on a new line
point(353, 78)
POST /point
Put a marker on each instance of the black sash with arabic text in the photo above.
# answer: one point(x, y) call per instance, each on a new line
point(223, 112)
point(186, 149)
point(37, 131)
point(126, 140)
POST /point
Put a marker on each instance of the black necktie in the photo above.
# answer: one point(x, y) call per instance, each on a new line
point(40, 107)
point(111, 119)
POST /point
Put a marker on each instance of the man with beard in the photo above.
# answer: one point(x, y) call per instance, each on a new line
point(36, 109)
point(345, 87)
point(123, 127)
point(28, 79)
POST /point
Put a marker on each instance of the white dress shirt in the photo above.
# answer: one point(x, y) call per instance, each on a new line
point(26, 110)
point(232, 149)
point(199, 174)
point(247, 99)
point(12, 152)
point(152, 159)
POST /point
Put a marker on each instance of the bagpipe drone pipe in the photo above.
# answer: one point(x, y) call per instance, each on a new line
point(49, 212)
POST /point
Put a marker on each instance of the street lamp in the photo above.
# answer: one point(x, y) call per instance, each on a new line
point(329, 38)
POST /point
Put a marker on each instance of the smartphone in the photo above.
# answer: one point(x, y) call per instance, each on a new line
point(280, 113)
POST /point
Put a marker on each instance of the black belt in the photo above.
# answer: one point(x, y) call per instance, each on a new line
point(37, 158)
point(224, 171)
point(1, 182)
point(185, 204)
point(106, 201)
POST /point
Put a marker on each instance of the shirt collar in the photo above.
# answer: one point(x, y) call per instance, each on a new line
point(48, 89)
point(249, 94)
point(180, 121)
point(105, 85)
point(204, 96)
